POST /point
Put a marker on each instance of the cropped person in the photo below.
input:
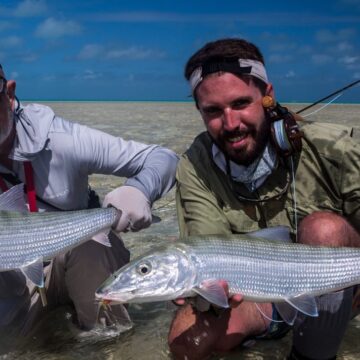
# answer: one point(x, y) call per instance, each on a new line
point(254, 167)
point(58, 156)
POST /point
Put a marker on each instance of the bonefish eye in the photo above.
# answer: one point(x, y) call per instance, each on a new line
point(143, 268)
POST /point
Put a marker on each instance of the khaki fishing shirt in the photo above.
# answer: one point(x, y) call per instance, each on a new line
point(327, 178)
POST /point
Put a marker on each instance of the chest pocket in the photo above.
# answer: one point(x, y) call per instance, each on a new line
point(252, 216)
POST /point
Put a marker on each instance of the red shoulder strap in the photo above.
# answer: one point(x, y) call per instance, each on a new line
point(30, 186)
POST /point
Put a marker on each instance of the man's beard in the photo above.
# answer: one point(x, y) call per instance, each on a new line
point(246, 157)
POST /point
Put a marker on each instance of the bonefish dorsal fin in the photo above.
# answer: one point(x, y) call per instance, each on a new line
point(13, 199)
point(213, 292)
point(35, 272)
point(280, 233)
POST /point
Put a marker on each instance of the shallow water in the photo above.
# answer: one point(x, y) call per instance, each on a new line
point(173, 125)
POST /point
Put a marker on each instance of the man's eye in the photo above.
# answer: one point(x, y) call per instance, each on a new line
point(211, 110)
point(237, 105)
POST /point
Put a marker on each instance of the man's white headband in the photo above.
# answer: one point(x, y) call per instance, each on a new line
point(238, 67)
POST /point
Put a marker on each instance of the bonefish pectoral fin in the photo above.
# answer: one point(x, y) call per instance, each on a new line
point(35, 272)
point(213, 292)
point(102, 238)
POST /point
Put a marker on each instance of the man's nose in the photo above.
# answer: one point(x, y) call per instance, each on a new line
point(230, 120)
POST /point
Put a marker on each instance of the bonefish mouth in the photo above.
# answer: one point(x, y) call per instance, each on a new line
point(107, 300)
point(114, 298)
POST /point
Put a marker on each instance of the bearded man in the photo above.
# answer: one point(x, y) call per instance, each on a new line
point(257, 167)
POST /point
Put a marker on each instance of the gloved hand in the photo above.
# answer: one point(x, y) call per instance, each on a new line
point(134, 206)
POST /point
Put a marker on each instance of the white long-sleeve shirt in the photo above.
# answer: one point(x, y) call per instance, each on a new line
point(64, 154)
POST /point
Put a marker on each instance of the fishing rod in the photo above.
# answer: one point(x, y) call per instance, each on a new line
point(326, 97)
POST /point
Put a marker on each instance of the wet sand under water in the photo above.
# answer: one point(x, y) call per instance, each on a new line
point(173, 125)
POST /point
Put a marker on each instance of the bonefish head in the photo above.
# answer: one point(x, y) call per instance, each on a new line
point(159, 275)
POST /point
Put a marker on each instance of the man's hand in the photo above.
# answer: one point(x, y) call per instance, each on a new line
point(134, 207)
point(202, 305)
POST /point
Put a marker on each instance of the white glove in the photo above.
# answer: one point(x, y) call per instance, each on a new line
point(134, 207)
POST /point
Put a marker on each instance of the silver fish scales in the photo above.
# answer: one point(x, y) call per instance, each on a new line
point(261, 270)
point(29, 237)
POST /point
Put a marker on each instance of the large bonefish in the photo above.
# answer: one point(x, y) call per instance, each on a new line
point(289, 275)
point(27, 239)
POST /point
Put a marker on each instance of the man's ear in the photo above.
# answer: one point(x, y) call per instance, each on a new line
point(268, 101)
point(270, 91)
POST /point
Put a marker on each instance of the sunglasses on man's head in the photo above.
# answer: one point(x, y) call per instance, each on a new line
point(3, 82)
